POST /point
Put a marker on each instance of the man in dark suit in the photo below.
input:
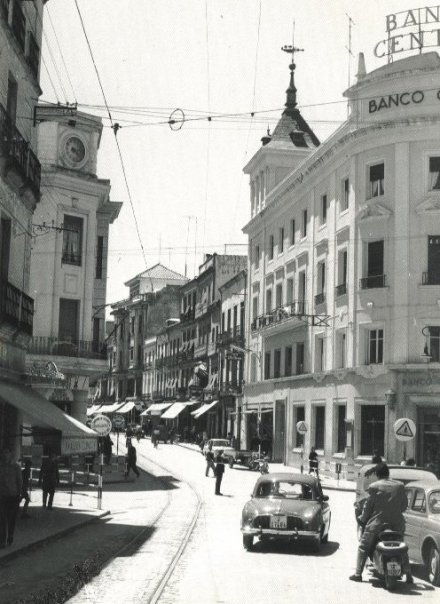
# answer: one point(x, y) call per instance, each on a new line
point(219, 471)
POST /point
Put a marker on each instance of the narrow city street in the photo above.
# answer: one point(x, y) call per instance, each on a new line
point(214, 567)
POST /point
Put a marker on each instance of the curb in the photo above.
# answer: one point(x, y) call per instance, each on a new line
point(324, 486)
point(49, 538)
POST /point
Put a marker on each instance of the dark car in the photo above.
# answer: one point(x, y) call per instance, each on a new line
point(422, 531)
point(286, 506)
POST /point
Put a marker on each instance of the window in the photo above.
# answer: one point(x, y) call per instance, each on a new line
point(267, 365)
point(319, 354)
point(323, 209)
point(281, 241)
point(301, 291)
point(304, 223)
point(375, 266)
point(72, 240)
point(375, 347)
point(341, 288)
point(419, 504)
point(277, 363)
point(372, 429)
point(228, 324)
point(292, 232)
point(257, 257)
point(68, 323)
point(345, 194)
point(254, 308)
point(268, 300)
point(95, 337)
point(341, 426)
point(434, 344)
point(300, 417)
point(288, 356)
point(271, 247)
point(341, 349)
point(319, 427)
point(11, 100)
point(320, 297)
point(299, 358)
point(289, 291)
point(5, 247)
point(279, 295)
point(99, 256)
point(376, 180)
point(433, 275)
point(434, 173)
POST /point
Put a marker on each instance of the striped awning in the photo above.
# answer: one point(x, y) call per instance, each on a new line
point(175, 409)
point(156, 408)
point(203, 409)
point(126, 407)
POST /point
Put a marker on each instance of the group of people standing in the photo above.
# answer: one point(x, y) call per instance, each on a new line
point(14, 487)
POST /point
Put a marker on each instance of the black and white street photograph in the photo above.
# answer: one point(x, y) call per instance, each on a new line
point(219, 301)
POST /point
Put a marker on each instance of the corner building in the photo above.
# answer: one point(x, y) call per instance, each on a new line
point(344, 275)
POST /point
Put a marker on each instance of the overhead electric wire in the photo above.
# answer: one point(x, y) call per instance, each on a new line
point(61, 53)
point(208, 142)
point(114, 127)
point(50, 79)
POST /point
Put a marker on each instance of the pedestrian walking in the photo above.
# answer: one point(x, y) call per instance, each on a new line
point(219, 471)
point(155, 436)
point(25, 476)
point(131, 461)
point(107, 445)
point(209, 460)
point(10, 491)
point(313, 461)
point(49, 479)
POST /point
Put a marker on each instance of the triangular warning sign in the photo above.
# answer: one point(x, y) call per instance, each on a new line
point(405, 430)
point(302, 427)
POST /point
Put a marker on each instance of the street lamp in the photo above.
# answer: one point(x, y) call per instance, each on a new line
point(390, 397)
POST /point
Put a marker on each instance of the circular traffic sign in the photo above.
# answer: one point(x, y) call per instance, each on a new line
point(301, 427)
point(404, 429)
point(118, 420)
point(101, 424)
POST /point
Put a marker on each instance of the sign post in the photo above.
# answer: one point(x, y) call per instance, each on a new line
point(301, 428)
point(102, 425)
point(404, 430)
point(118, 424)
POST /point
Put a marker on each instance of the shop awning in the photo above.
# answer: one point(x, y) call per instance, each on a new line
point(44, 413)
point(93, 409)
point(111, 408)
point(175, 409)
point(126, 407)
point(156, 408)
point(203, 409)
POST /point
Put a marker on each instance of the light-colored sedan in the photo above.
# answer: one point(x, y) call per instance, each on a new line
point(422, 532)
point(220, 444)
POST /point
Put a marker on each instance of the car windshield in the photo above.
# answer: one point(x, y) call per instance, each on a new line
point(434, 502)
point(220, 443)
point(286, 489)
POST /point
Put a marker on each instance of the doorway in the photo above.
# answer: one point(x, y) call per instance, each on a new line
point(428, 445)
point(279, 445)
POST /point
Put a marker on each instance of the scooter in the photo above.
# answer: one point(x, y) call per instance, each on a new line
point(259, 463)
point(388, 557)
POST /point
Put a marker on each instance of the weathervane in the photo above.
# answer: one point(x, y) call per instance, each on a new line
point(291, 91)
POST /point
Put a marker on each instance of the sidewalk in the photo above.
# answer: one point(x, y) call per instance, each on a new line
point(327, 482)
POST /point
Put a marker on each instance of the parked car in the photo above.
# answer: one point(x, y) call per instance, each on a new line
point(286, 506)
point(220, 444)
point(422, 532)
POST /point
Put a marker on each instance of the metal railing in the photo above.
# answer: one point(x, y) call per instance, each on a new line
point(282, 313)
point(16, 308)
point(67, 347)
point(188, 315)
point(13, 145)
point(372, 282)
point(431, 278)
point(230, 336)
point(341, 290)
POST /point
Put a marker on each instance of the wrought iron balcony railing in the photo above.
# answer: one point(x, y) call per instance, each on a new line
point(19, 153)
point(235, 335)
point(431, 278)
point(282, 313)
point(67, 347)
point(341, 290)
point(16, 308)
point(188, 315)
point(372, 282)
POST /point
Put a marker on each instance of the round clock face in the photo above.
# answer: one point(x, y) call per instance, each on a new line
point(75, 150)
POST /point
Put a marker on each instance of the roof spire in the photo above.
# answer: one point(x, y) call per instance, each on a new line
point(291, 103)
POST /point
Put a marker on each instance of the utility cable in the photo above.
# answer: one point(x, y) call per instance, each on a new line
point(61, 53)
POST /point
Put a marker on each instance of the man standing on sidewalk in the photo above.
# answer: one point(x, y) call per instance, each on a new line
point(49, 479)
point(209, 460)
point(219, 471)
point(10, 491)
point(131, 461)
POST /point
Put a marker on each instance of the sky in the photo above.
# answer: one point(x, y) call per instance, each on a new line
point(218, 59)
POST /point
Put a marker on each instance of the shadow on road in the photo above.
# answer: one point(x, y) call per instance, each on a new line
point(297, 548)
point(402, 589)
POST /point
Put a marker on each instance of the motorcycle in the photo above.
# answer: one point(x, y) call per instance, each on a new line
point(388, 557)
point(259, 463)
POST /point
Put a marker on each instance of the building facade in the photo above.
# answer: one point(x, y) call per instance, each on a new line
point(343, 291)
point(69, 260)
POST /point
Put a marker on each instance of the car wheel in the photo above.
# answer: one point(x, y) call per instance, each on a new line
point(324, 538)
point(248, 542)
point(433, 566)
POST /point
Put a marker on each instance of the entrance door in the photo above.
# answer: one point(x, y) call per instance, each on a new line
point(428, 430)
point(279, 445)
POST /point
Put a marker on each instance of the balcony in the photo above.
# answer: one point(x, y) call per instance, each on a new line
point(21, 161)
point(431, 278)
point(283, 313)
point(231, 389)
point(16, 308)
point(67, 347)
point(341, 290)
point(231, 336)
point(320, 298)
point(188, 315)
point(372, 282)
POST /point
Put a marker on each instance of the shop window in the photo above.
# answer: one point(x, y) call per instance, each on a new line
point(319, 413)
point(434, 173)
point(300, 417)
point(372, 429)
point(375, 347)
point(341, 427)
point(376, 180)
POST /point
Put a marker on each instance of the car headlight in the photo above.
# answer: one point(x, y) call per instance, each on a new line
point(308, 514)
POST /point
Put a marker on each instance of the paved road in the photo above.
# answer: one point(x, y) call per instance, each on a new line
point(214, 567)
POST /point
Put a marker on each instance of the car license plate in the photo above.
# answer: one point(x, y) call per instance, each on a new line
point(278, 522)
point(394, 569)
